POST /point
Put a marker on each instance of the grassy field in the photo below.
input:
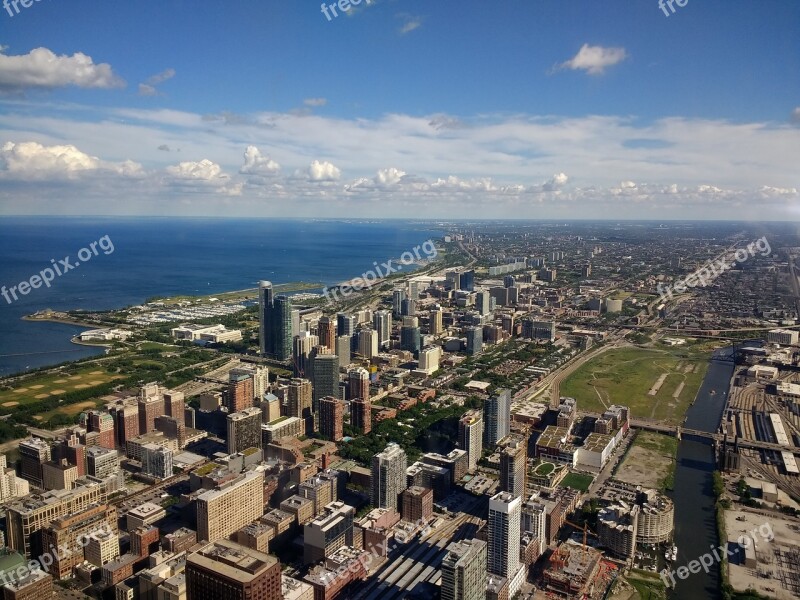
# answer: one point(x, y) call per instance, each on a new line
point(650, 462)
point(42, 387)
point(576, 481)
point(627, 375)
point(648, 588)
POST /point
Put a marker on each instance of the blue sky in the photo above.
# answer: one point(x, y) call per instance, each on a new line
point(507, 108)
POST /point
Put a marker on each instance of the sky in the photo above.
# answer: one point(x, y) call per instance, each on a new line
point(401, 108)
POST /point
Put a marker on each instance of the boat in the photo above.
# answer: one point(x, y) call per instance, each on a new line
point(671, 554)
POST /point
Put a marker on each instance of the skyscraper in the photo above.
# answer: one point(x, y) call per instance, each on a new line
point(327, 333)
point(275, 323)
point(325, 376)
point(505, 512)
point(360, 407)
point(358, 383)
point(343, 346)
point(299, 398)
point(388, 476)
point(409, 335)
point(470, 436)
point(474, 340)
point(239, 393)
point(239, 503)
point(302, 345)
point(244, 430)
point(382, 321)
point(435, 323)
point(367, 343)
point(464, 571)
point(346, 324)
point(497, 416)
point(331, 418)
point(513, 464)
point(398, 296)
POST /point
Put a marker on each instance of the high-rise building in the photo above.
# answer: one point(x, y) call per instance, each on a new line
point(101, 422)
point(367, 343)
point(36, 585)
point(534, 519)
point(474, 340)
point(224, 570)
point(151, 405)
point(429, 359)
point(470, 436)
point(358, 383)
point(435, 323)
point(244, 430)
point(325, 376)
point(331, 418)
point(346, 324)
point(464, 571)
point(497, 416)
point(11, 486)
point(468, 280)
point(408, 307)
point(275, 323)
point(398, 296)
point(328, 532)
point(101, 462)
point(303, 344)
point(513, 464)
point(240, 392)
point(361, 415)
point(388, 476)
point(175, 405)
point(417, 504)
point(33, 454)
point(223, 511)
point(326, 330)
point(127, 422)
point(260, 376)
point(156, 461)
point(483, 302)
point(382, 321)
point(504, 536)
point(299, 398)
point(409, 335)
point(344, 345)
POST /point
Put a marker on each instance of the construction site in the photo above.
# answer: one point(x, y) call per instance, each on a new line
point(576, 570)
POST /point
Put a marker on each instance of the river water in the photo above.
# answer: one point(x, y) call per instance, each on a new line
point(695, 521)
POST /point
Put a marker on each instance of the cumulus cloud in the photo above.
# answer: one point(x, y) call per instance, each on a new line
point(323, 171)
point(315, 101)
point(41, 68)
point(556, 181)
point(34, 161)
point(256, 163)
point(594, 59)
point(204, 170)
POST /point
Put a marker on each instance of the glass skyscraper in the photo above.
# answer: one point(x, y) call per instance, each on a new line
point(275, 323)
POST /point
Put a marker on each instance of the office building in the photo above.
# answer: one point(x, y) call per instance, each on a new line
point(368, 343)
point(464, 571)
point(410, 335)
point(33, 454)
point(225, 570)
point(299, 402)
point(157, 461)
point(344, 346)
point(398, 296)
point(534, 520)
point(244, 430)
point(302, 346)
point(326, 330)
point(235, 504)
point(35, 585)
point(346, 324)
point(102, 548)
point(513, 464)
point(382, 322)
point(127, 421)
point(59, 475)
point(417, 504)
point(470, 437)
point(324, 376)
point(497, 416)
point(483, 302)
point(328, 532)
point(474, 340)
point(388, 478)
point(505, 511)
point(151, 405)
point(175, 405)
point(275, 323)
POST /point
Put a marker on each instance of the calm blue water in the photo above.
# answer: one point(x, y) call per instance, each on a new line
point(158, 257)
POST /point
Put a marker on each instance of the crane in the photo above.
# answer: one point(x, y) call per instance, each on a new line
point(585, 529)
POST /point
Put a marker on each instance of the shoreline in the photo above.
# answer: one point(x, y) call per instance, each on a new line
point(63, 321)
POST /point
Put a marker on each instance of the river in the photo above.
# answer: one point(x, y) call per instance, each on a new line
point(695, 521)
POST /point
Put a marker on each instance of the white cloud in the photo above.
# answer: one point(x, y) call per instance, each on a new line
point(148, 88)
point(410, 23)
point(256, 163)
point(41, 68)
point(323, 171)
point(315, 101)
point(34, 161)
point(204, 170)
point(594, 59)
point(556, 181)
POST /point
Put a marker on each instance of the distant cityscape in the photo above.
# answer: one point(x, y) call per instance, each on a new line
point(510, 419)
